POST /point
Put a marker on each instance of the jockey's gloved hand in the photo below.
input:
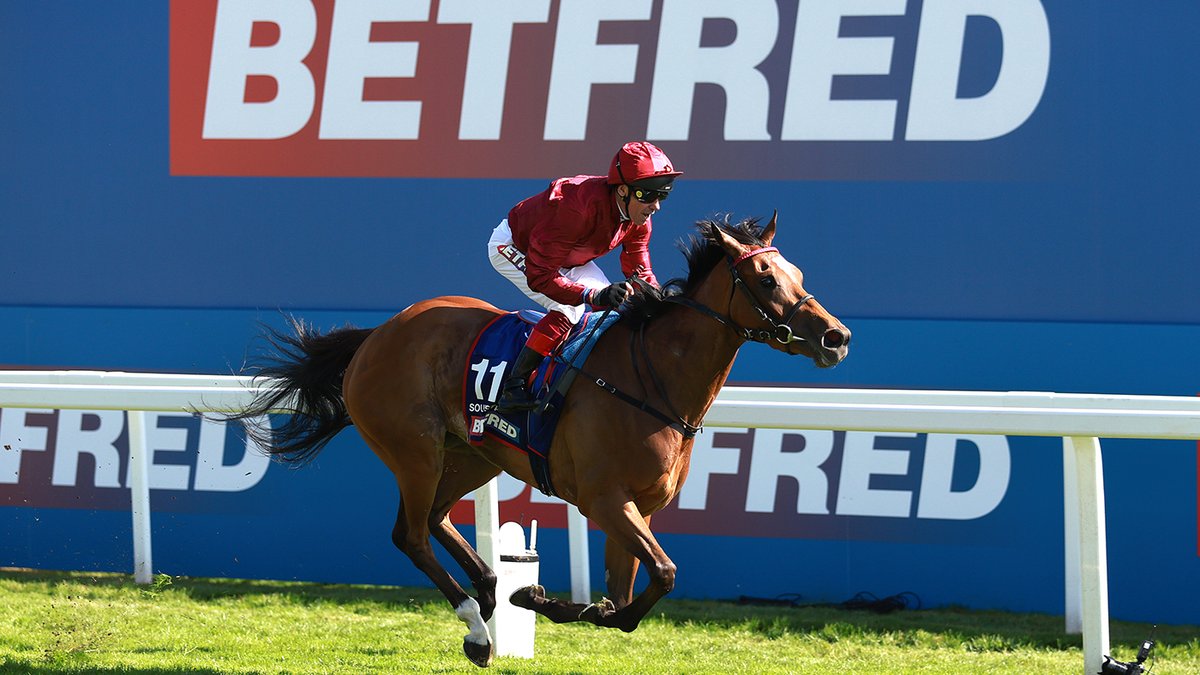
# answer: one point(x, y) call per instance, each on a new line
point(609, 296)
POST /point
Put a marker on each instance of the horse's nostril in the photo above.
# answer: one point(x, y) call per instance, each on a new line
point(835, 338)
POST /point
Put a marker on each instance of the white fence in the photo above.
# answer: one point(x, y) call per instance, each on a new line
point(1080, 419)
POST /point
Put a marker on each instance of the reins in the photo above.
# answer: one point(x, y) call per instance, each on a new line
point(688, 430)
point(678, 423)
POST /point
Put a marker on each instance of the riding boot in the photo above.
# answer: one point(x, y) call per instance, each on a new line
point(514, 393)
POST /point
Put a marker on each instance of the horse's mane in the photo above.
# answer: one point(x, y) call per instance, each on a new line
point(702, 252)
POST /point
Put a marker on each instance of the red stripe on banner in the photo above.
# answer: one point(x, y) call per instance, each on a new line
point(438, 84)
point(503, 90)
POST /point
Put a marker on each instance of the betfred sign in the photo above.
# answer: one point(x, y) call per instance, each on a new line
point(816, 484)
point(526, 88)
point(80, 458)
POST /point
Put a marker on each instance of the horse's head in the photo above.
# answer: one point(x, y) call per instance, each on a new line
point(770, 304)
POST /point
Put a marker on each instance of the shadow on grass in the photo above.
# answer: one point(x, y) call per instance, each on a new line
point(973, 629)
point(986, 630)
point(201, 589)
point(57, 669)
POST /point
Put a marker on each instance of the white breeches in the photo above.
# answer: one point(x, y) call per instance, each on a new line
point(510, 263)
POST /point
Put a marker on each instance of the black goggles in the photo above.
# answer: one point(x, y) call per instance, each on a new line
point(648, 196)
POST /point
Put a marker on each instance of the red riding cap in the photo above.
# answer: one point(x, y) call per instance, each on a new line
point(638, 161)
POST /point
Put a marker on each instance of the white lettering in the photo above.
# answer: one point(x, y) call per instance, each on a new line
point(95, 433)
point(536, 497)
point(938, 501)
point(682, 64)
point(818, 54)
point(707, 460)
point(935, 112)
point(492, 24)
point(580, 61)
point(769, 463)
point(213, 475)
point(164, 439)
point(353, 58)
point(226, 113)
point(100, 443)
point(860, 461)
point(17, 436)
point(507, 488)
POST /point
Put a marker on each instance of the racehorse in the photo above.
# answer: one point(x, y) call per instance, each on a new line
point(401, 385)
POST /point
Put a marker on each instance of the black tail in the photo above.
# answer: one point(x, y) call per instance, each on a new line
point(306, 382)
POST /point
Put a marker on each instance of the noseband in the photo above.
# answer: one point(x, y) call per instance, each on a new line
point(779, 331)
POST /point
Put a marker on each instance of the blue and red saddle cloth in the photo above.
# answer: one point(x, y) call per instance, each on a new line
point(490, 362)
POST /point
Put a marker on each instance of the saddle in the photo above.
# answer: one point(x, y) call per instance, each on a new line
point(490, 361)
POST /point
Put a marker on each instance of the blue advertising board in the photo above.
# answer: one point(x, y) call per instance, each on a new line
point(993, 195)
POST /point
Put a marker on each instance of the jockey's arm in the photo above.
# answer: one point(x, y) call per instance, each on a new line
point(543, 260)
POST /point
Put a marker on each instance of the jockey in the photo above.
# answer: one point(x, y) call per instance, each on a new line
point(547, 245)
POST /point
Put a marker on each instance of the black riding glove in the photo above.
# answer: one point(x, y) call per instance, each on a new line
point(609, 296)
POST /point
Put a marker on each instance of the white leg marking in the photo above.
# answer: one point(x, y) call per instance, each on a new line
point(468, 613)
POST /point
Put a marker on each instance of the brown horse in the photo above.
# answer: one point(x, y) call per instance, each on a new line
point(401, 384)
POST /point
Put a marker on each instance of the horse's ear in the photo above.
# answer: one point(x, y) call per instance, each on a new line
point(768, 232)
point(732, 247)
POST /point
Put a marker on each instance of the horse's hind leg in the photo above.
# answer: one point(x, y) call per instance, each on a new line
point(462, 474)
point(418, 478)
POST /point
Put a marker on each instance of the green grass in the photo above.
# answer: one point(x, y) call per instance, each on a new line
point(64, 622)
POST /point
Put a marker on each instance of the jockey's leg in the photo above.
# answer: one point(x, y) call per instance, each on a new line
point(547, 334)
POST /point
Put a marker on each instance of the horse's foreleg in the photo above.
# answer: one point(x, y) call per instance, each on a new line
point(621, 568)
point(626, 529)
point(620, 572)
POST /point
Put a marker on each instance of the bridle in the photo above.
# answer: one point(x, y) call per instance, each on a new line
point(779, 331)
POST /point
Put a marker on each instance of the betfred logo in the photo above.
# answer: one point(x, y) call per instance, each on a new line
point(526, 88)
point(80, 458)
point(815, 484)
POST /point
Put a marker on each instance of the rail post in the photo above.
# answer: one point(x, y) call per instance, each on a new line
point(139, 494)
point(1093, 567)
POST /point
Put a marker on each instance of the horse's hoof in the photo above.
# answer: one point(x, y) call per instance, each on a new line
point(597, 611)
point(480, 655)
point(527, 596)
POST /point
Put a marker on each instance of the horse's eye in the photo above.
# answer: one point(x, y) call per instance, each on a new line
point(767, 282)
